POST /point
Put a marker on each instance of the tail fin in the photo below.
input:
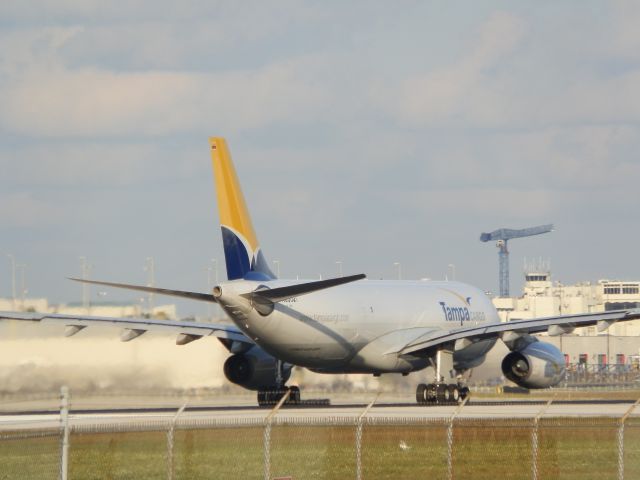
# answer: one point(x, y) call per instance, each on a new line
point(241, 249)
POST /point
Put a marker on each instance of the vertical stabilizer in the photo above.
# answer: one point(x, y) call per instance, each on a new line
point(241, 249)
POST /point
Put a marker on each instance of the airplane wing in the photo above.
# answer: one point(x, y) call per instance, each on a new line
point(552, 325)
point(134, 327)
point(206, 297)
point(281, 294)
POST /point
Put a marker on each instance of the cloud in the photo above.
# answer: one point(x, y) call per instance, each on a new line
point(257, 16)
point(371, 120)
point(443, 95)
point(24, 209)
point(81, 165)
point(44, 97)
point(625, 36)
point(507, 80)
point(615, 98)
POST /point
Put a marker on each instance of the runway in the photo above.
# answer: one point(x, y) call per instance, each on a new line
point(338, 412)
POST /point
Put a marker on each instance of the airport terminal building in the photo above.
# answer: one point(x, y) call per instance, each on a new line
point(99, 309)
point(543, 298)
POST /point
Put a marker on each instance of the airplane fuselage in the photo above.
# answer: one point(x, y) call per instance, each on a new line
point(355, 329)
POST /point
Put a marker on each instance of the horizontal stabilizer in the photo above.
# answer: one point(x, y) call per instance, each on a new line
point(280, 294)
point(160, 291)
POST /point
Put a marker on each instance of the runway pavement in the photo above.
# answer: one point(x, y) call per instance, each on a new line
point(339, 411)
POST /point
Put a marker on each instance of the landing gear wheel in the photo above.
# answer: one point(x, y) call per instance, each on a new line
point(421, 394)
point(278, 394)
point(442, 393)
point(447, 394)
point(271, 397)
point(464, 392)
point(454, 394)
point(294, 396)
point(432, 393)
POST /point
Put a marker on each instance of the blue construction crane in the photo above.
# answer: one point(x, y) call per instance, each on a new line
point(502, 236)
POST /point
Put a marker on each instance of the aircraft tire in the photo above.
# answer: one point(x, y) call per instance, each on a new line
point(442, 393)
point(454, 393)
point(294, 396)
point(447, 394)
point(272, 396)
point(464, 392)
point(421, 394)
point(431, 395)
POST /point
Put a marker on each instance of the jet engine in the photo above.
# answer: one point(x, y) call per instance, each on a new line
point(255, 370)
point(537, 365)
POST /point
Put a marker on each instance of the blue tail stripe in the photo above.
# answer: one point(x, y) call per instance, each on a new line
point(238, 261)
point(235, 254)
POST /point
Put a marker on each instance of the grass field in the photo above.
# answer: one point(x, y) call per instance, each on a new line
point(482, 449)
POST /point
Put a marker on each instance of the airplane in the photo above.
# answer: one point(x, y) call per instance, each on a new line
point(346, 324)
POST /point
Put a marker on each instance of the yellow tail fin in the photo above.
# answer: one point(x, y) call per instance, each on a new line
point(241, 248)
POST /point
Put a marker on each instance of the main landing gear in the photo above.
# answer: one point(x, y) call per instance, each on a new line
point(441, 394)
point(271, 396)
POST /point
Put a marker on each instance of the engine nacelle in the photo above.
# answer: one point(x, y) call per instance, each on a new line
point(537, 365)
point(254, 370)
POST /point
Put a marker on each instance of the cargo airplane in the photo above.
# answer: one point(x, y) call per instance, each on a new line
point(347, 324)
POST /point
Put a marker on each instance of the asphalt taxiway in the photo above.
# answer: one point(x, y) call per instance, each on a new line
point(122, 418)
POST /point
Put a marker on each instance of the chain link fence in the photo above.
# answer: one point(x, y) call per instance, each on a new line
point(309, 446)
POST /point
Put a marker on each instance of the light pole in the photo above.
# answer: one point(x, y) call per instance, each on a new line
point(339, 264)
point(23, 288)
point(453, 271)
point(13, 279)
point(214, 261)
point(215, 269)
point(150, 267)
point(209, 290)
point(399, 267)
point(210, 283)
point(85, 268)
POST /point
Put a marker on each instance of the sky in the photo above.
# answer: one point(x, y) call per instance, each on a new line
point(365, 132)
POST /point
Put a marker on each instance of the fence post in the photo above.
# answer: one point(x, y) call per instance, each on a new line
point(621, 440)
point(267, 435)
point(170, 443)
point(534, 440)
point(450, 438)
point(359, 437)
point(64, 426)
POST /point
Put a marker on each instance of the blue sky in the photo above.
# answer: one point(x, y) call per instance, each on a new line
point(366, 132)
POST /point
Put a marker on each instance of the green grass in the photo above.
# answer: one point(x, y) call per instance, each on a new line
point(313, 452)
point(482, 449)
point(111, 456)
point(219, 453)
point(23, 458)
